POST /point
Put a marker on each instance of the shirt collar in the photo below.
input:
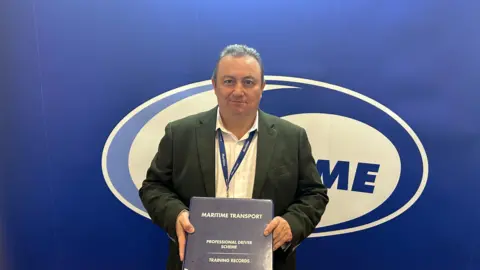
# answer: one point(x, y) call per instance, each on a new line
point(222, 127)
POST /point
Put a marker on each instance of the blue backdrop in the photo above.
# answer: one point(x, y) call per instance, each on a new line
point(71, 70)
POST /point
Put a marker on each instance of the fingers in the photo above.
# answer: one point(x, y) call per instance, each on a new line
point(271, 226)
point(187, 226)
point(278, 235)
point(183, 225)
point(181, 241)
point(284, 237)
point(281, 232)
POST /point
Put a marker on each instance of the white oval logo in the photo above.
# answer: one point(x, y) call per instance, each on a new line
point(372, 162)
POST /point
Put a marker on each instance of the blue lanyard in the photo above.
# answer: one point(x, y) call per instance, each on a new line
point(223, 157)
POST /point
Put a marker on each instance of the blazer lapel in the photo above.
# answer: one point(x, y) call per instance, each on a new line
point(265, 146)
point(205, 134)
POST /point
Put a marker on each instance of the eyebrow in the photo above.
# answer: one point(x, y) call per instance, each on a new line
point(250, 77)
point(232, 77)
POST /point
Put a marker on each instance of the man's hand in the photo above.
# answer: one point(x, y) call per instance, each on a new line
point(183, 225)
point(281, 232)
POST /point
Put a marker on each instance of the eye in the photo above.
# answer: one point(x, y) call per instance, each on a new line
point(249, 82)
point(228, 81)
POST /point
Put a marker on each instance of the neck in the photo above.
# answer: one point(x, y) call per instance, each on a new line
point(238, 124)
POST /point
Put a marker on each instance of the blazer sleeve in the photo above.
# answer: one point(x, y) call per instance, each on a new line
point(156, 193)
point(311, 199)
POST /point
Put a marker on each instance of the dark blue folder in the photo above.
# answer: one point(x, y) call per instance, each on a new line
point(229, 234)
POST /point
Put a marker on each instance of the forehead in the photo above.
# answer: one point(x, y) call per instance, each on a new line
point(239, 66)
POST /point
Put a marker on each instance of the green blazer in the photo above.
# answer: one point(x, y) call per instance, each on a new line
point(184, 166)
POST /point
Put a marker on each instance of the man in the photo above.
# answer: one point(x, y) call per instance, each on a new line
point(277, 165)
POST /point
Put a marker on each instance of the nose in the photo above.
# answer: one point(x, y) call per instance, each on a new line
point(238, 90)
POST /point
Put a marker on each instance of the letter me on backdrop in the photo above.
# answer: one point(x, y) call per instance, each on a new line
point(369, 158)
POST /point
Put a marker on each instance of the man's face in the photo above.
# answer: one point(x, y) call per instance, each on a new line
point(239, 85)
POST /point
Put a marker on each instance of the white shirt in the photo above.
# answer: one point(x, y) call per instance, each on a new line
point(241, 185)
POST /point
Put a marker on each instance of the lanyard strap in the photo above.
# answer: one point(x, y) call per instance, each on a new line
point(223, 156)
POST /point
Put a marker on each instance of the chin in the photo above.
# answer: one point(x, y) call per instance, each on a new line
point(236, 111)
point(242, 112)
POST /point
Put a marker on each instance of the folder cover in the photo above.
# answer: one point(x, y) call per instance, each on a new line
point(229, 234)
